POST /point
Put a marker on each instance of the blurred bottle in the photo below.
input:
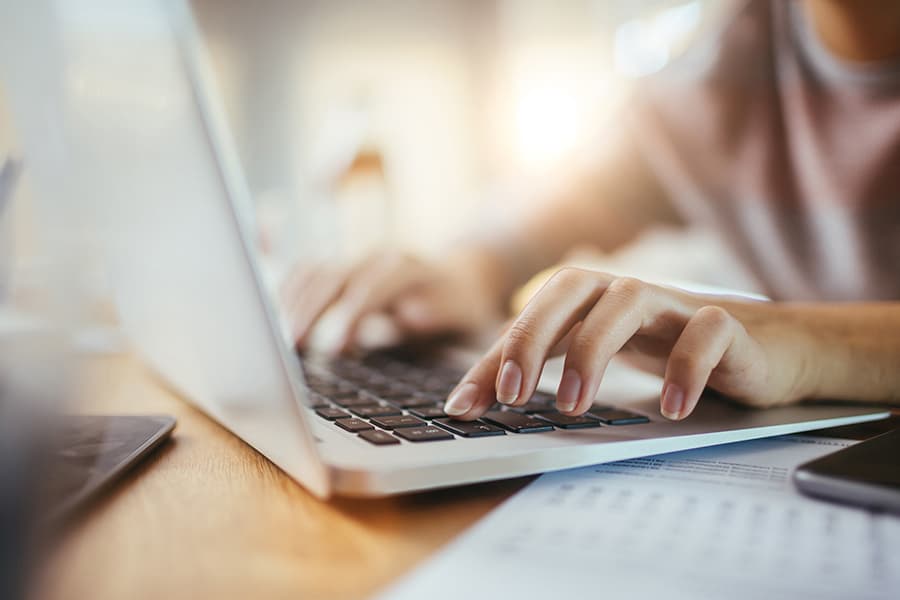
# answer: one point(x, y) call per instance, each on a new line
point(363, 200)
point(353, 174)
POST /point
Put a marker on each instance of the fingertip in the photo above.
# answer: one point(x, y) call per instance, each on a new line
point(568, 392)
point(672, 402)
point(585, 402)
point(461, 400)
point(509, 383)
point(577, 411)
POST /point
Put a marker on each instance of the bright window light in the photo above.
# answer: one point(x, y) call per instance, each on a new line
point(547, 118)
point(646, 45)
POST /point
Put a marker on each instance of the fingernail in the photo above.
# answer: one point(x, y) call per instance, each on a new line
point(569, 390)
point(672, 402)
point(461, 400)
point(509, 383)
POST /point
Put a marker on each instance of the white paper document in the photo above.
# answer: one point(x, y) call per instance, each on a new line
point(722, 522)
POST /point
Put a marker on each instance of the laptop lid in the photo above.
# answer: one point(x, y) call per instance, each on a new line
point(146, 151)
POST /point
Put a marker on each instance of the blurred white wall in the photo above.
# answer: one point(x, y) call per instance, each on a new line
point(455, 95)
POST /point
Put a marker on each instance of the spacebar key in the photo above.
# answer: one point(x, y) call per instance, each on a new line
point(515, 422)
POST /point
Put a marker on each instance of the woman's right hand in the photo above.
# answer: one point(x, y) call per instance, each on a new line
point(421, 298)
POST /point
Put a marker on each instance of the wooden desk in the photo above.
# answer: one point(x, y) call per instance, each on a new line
point(207, 517)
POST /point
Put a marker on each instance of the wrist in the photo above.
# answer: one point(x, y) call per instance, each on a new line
point(794, 354)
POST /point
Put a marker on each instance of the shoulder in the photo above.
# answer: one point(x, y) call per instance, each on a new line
point(721, 84)
point(732, 41)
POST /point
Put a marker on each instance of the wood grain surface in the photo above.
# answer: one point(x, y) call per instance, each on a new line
point(208, 517)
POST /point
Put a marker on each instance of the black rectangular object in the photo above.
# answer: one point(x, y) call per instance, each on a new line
point(470, 429)
point(379, 438)
point(398, 421)
point(331, 413)
point(515, 422)
point(353, 425)
point(411, 401)
point(614, 416)
point(423, 434)
point(375, 410)
point(568, 422)
point(866, 474)
point(429, 412)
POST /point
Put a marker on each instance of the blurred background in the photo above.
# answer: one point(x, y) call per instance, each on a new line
point(358, 124)
point(399, 120)
point(386, 122)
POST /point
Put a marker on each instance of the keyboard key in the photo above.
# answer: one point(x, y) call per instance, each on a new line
point(398, 421)
point(539, 403)
point(469, 429)
point(515, 422)
point(391, 389)
point(353, 425)
point(375, 410)
point(530, 409)
point(614, 416)
point(411, 401)
point(355, 400)
point(423, 434)
point(379, 438)
point(435, 397)
point(439, 385)
point(429, 412)
point(331, 388)
point(566, 422)
point(331, 413)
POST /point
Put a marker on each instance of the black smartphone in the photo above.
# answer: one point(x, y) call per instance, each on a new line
point(89, 453)
point(866, 474)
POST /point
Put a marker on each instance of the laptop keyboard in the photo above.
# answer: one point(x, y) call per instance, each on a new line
point(383, 399)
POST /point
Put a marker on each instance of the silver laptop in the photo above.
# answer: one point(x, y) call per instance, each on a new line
point(169, 192)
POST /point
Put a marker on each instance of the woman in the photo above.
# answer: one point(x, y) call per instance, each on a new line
point(784, 137)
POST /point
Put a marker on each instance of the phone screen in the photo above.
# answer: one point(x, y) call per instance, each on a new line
point(89, 452)
point(875, 461)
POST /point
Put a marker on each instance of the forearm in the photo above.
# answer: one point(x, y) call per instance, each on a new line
point(841, 351)
point(856, 349)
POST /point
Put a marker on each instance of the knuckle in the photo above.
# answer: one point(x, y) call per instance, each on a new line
point(583, 349)
point(568, 277)
point(714, 316)
point(520, 335)
point(628, 288)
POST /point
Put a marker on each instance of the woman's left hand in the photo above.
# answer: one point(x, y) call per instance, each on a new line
point(742, 349)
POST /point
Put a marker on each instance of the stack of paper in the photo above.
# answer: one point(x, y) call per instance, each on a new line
point(721, 522)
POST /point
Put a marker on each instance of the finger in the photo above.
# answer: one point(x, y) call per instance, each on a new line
point(559, 305)
point(320, 291)
point(294, 283)
point(374, 290)
point(711, 338)
point(418, 313)
point(476, 393)
point(616, 317)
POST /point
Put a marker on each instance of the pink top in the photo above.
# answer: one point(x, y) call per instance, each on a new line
point(790, 153)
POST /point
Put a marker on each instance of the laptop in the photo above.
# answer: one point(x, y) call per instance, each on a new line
point(169, 189)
